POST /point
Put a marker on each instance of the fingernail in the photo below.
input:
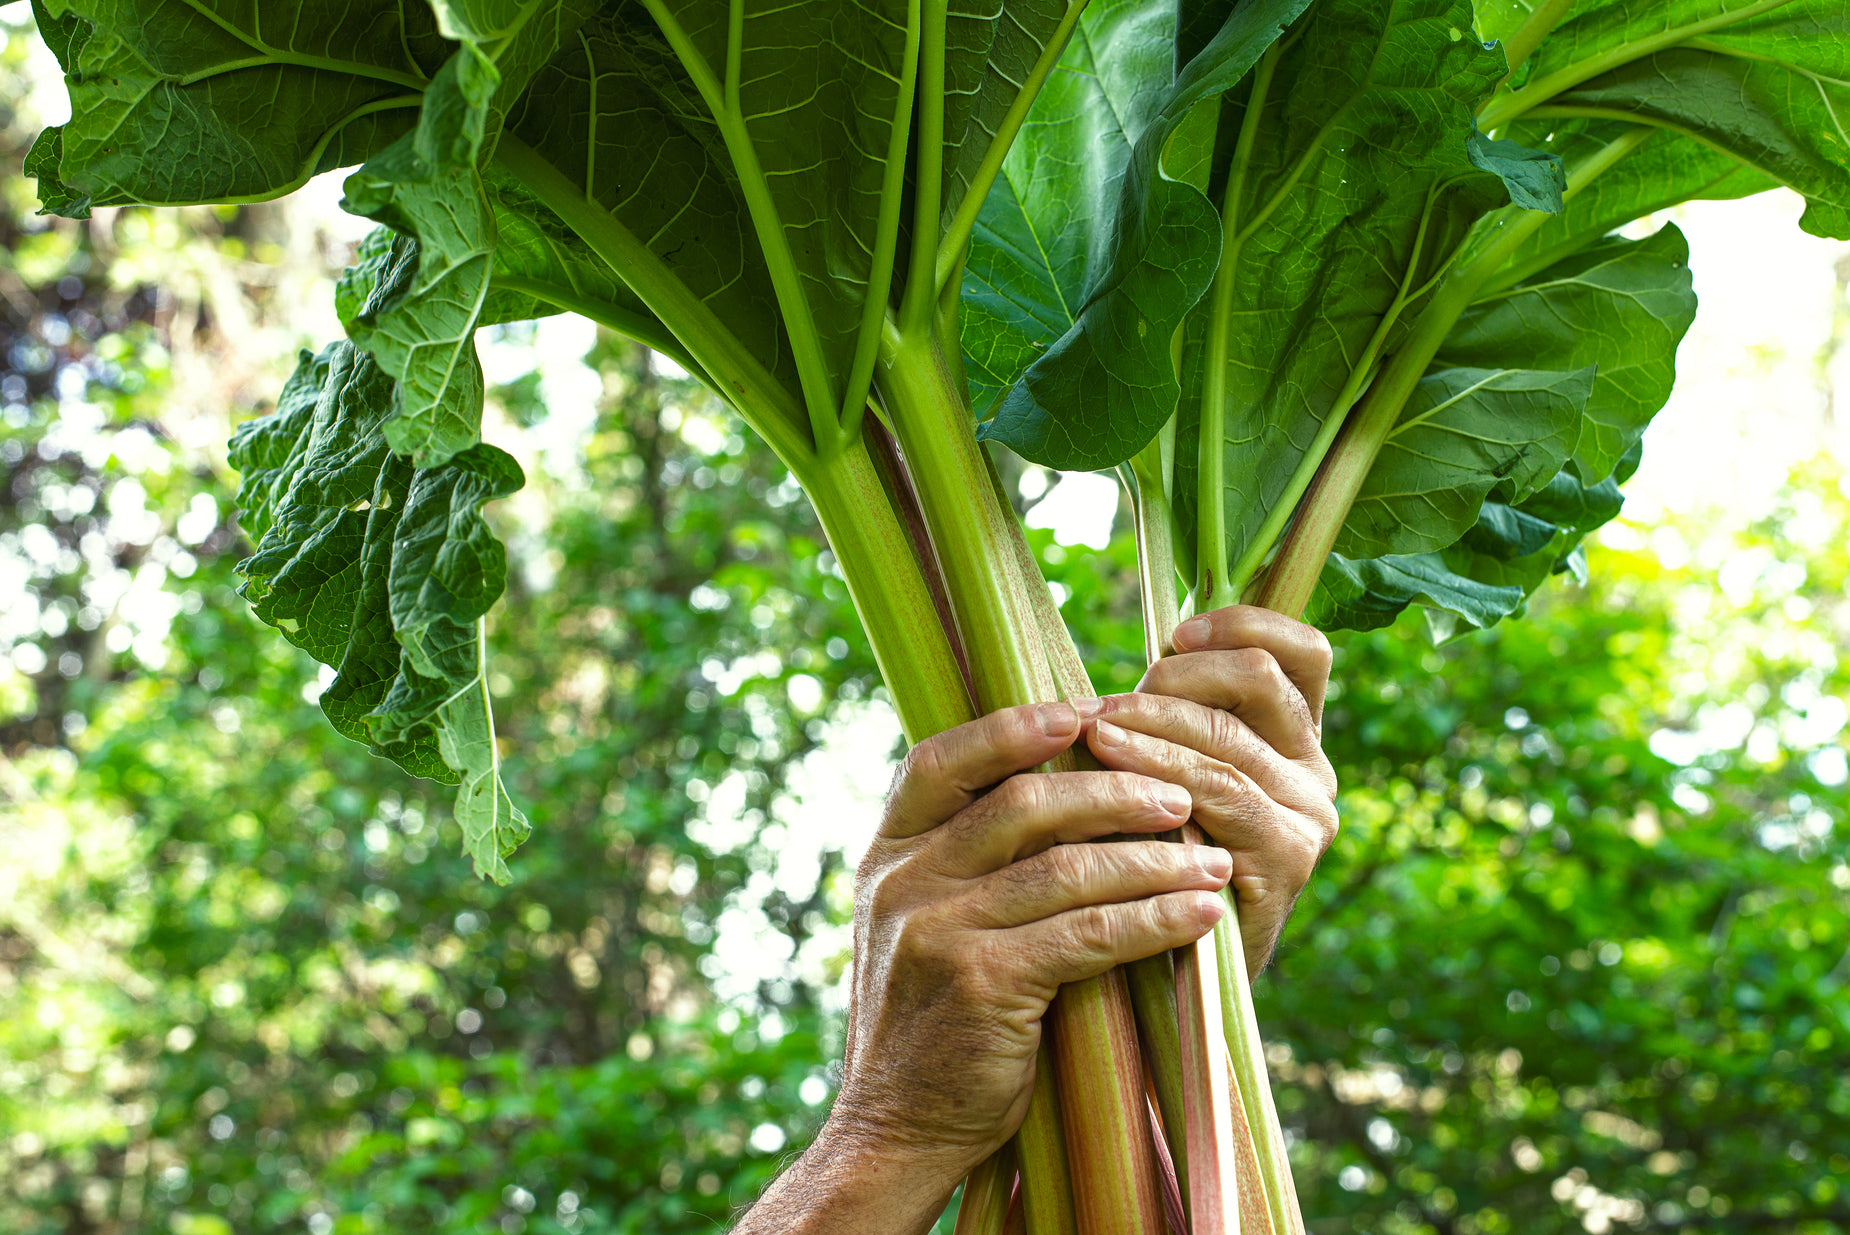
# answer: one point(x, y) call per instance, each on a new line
point(1216, 862)
point(1192, 633)
point(1087, 706)
point(1109, 733)
point(1057, 719)
point(1175, 800)
point(1211, 908)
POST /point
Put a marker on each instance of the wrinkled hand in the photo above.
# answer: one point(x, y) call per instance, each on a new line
point(1236, 718)
point(972, 908)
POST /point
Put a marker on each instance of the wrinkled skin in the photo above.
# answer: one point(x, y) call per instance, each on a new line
point(977, 899)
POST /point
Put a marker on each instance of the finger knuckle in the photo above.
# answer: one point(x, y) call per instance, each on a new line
point(1095, 931)
point(1265, 670)
point(1321, 652)
point(884, 895)
point(1160, 678)
point(925, 761)
point(1228, 788)
point(1020, 795)
point(1172, 916)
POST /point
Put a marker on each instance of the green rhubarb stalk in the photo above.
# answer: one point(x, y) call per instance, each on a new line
point(1040, 1151)
point(1101, 1099)
point(1101, 1096)
point(891, 593)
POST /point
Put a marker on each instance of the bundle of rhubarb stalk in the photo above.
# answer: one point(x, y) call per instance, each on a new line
point(1354, 294)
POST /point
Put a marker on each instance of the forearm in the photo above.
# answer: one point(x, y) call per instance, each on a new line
point(846, 1184)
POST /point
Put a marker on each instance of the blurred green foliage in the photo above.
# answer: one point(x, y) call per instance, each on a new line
point(1577, 961)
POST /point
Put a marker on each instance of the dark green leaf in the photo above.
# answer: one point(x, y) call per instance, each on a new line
point(1107, 384)
point(419, 320)
point(1489, 573)
point(1668, 169)
point(1767, 83)
point(385, 573)
point(1363, 595)
point(1365, 125)
point(1043, 236)
point(990, 49)
point(645, 149)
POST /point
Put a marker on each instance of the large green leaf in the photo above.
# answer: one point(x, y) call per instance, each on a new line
point(1621, 306)
point(386, 573)
point(225, 100)
point(1362, 595)
point(1366, 124)
point(1464, 433)
point(419, 319)
point(1043, 237)
point(1668, 169)
point(512, 39)
point(817, 93)
point(990, 50)
point(1107, 384)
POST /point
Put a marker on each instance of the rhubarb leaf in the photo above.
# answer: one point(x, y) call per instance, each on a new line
point(616, 114)
point(1489, 573)
point(385, 573)
point(990, 50)
point(1043, 236)
point(215, 101)
point(422, 302)
point(1667, 170)
point(1535, 178)
point(1362, 595)
point(1106, 385)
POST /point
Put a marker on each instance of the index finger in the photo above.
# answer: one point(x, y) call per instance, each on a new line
point(945, 773)
point(1300, 649)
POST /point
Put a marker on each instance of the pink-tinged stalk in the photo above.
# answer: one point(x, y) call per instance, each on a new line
point(1255, 1210)
point(1173, 1207)
point(1101, 1100)
point(984, 1209)
point(1213, 1188)
point(1017, 1221)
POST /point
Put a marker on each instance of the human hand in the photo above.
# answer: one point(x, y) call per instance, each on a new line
point(971, 911)
point(1236, 718)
